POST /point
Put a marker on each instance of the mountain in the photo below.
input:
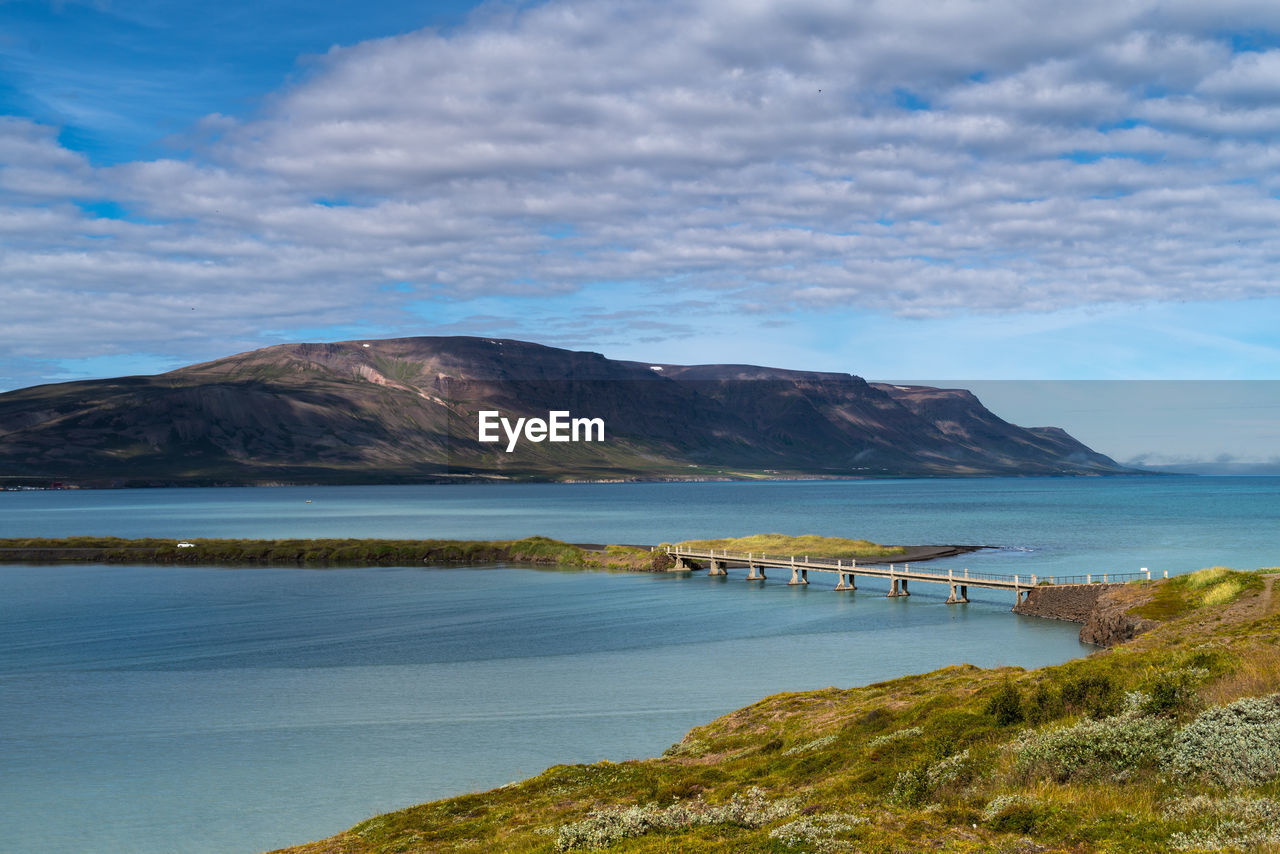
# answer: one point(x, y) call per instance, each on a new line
point(407, 410)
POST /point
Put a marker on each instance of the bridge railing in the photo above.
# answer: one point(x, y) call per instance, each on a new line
point(745, 557)
point(958, 576)
point(1097, 578)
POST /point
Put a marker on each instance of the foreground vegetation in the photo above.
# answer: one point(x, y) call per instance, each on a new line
point(326, 552)
point(1170, 742)
point(809, 544)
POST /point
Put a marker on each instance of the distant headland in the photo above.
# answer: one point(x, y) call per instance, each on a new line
point(410, 410)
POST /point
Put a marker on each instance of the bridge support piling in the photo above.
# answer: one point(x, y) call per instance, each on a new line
point(717, 568)
point(798, 576)
point(846, 581)
point(756, 573)
point(961, 598)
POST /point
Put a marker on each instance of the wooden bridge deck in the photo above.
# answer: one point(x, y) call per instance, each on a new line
point(718, 561)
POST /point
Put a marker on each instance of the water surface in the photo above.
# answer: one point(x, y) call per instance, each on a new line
point(156, 709)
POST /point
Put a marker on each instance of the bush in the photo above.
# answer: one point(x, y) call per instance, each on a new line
point(1237, 744)
point(1112, 748)
point(1173, 691)
point(818, 832)
point(816, 744)
point(1044, 705)
point(1013, 814)
point(921, 782)
point(889, 738)
point(605, 826)
point(1233, 823)
point(1095, 695)
point(1006, 705)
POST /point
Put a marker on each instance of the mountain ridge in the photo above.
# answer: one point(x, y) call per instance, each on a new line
point(406, 410)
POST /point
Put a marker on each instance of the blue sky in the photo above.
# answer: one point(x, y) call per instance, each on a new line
point(898, 190)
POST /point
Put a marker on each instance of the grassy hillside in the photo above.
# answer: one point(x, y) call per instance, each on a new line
point(1169, 742)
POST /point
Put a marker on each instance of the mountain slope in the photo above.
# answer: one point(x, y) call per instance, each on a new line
point(406, 410)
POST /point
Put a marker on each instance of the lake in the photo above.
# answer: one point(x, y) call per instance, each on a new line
point(157, 709)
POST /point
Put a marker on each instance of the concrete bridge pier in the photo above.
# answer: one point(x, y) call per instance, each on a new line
point(897, 587)
point(756, 574)
point(680, 566)
point(798, 576)
point(959, 599)
point(716, 567)
point(846, 582)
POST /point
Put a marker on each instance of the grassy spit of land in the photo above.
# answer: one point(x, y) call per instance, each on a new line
point(328, 552)
point(377, 552)
point(1170, 742)
point(807, 544)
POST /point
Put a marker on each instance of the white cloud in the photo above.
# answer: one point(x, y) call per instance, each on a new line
point(918, 159)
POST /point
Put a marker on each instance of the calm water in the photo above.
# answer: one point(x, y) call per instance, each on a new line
point(151, 709)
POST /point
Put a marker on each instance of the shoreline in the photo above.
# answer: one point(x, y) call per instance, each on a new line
point(41, 484)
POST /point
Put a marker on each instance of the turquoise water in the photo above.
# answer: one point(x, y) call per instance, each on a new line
point(153, 709)
point(1049, 525)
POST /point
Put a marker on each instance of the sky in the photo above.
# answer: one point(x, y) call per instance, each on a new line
point(983, 191)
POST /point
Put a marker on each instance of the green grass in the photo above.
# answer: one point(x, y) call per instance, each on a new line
point(1216, 585)
point(924, 762)
point(807, 544)
point(341, 552)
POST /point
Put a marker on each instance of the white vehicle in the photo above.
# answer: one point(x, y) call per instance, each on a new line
point(185, 545)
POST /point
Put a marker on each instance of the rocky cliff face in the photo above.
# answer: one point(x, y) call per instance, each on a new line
point(1102, 608)
point(406, 410)
point(1110, 623)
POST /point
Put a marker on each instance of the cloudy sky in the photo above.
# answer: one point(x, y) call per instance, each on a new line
point(896, 189)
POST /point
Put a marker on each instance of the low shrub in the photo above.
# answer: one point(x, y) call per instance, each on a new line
point(608, 825)
point(1236, 744)
point(1231, 823)
point(687, 747)
point(1112, 748)
point(1096, 695)
point(889, 738)
point(817, 743)
point(819, 833)
point(1013, 814)
point(1006, 705)
point(920, 783)
point(1174, 691)
point(1044, 704)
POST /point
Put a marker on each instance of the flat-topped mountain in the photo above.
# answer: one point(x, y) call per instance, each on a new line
point(407, 410)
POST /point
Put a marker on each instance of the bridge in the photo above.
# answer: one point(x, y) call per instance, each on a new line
point(718, 562)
